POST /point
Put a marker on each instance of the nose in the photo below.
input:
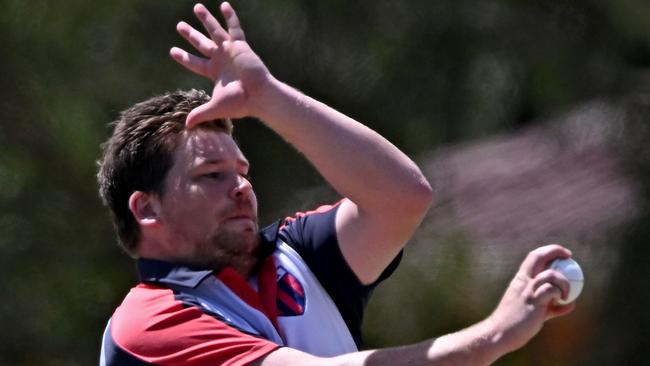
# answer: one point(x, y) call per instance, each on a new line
point(242, 189)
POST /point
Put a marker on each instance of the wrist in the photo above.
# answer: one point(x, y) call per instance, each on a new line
point(493, 339)
point(261, 100)
point(498, 335)
point(480, 344)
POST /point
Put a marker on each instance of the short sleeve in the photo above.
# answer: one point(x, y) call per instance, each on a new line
point(313, 235)
point(152, 327)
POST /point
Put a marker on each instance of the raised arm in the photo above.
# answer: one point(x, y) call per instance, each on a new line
point(387, 195)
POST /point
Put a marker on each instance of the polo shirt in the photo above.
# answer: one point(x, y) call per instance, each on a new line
point(304, 296)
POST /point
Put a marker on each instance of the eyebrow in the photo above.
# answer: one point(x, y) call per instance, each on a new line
point(240, 162)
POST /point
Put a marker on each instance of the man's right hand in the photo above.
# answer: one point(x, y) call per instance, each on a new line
point(530, 298)
point(525, 306)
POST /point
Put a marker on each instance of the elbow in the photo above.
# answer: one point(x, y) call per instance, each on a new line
point(423, 193)
point(418, 198)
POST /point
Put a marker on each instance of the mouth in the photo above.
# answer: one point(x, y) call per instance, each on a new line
point(242, 217)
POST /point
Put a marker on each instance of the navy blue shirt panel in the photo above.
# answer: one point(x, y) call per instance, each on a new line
point(313, 236)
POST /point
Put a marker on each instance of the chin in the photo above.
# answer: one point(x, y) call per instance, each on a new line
point(227, 249)
point(241, 241)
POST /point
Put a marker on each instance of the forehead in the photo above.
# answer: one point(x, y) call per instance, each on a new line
point(198, 146)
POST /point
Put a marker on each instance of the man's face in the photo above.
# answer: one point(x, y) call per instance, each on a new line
point(209, 209)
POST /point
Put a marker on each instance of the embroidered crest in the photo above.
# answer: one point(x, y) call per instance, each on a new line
point(291, 295)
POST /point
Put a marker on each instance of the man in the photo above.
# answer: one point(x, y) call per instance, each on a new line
point(214, 290)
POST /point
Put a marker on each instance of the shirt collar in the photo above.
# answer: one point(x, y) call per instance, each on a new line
point(157, 271)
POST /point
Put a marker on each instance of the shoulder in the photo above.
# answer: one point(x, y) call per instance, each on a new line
point(310, 229)
point(153, 325)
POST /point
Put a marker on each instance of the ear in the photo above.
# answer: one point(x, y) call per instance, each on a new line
point(145, 207)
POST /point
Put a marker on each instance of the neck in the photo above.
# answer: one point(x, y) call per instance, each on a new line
point(246, 267)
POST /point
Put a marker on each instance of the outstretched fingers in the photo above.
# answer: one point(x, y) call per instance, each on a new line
point(197, 39)
point(234, 27)
point(193, 63)
point(211, 24)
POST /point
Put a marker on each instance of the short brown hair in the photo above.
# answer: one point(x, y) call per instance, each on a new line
point(140, 151)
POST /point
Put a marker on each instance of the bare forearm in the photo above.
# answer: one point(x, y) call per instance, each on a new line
point(471, 346)
point(474, 346)
point(355, 160)
point(388, 195)
point(523, 309)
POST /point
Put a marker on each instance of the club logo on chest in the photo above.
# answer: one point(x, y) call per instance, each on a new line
point(291, 294)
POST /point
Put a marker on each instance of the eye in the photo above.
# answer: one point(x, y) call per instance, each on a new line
point(214, 175)
point(246, 176)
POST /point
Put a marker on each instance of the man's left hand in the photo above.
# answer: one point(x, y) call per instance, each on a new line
point(237, 72)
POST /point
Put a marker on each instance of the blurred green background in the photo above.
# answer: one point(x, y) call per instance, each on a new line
point(437, 78)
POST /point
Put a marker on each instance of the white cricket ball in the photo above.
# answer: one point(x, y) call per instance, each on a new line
point(572, 271)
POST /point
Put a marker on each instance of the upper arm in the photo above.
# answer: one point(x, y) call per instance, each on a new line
point(314, 237)
point(348, 245)
point(370, 241)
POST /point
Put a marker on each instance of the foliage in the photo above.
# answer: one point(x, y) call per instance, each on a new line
point(423, 73)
